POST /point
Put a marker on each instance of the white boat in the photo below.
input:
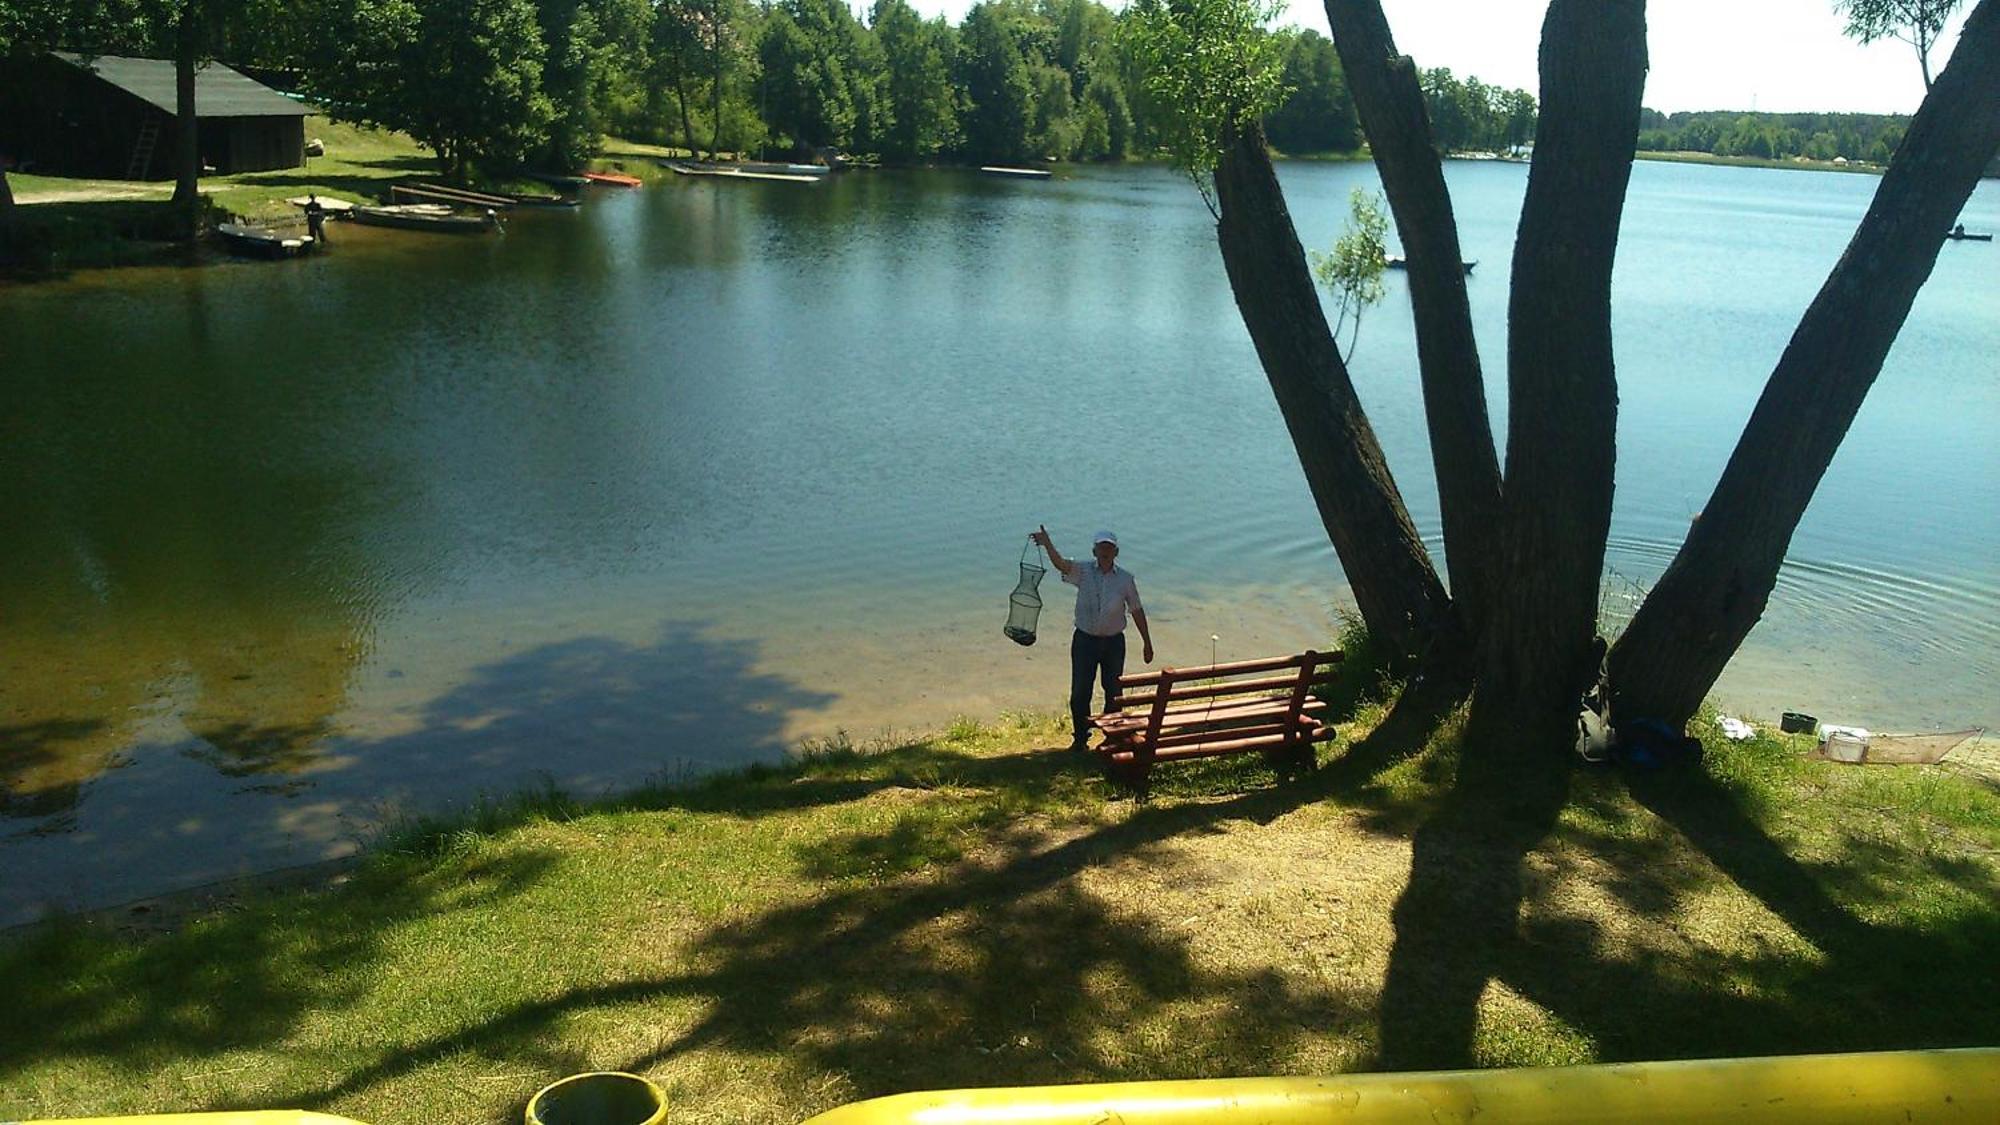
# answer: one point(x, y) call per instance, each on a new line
point(261, 242)
point(425, 216)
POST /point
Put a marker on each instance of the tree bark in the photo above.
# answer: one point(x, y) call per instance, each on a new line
point(715, 43)
point(1718, 584)
point(1563, 394)
point(680, 92)
point(187, 144)
point(1398, 593)
point(1391, 106)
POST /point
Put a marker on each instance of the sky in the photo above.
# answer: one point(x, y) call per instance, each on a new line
point(1778, 56)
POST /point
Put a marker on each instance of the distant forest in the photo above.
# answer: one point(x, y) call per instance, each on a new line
point(1774, 136)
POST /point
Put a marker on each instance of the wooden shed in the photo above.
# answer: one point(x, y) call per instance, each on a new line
point(111, 117)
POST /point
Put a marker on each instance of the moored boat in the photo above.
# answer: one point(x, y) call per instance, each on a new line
point(739, 171)
point(613, 179)
point(262, 242)
point(425, 216)
point(1396, 263)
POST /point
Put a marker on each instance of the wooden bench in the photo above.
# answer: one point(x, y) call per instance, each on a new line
point(1264, 706)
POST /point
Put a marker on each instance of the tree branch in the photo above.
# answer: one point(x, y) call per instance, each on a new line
point(1391, 107)
point(1398, 593)
point(1718, 584)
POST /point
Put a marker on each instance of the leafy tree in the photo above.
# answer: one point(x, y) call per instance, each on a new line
point(922, 98)
point(463, 77)
point(999, 89)
point(1316, 114)
point(1212, 72)
point(1353, 271)
point(1104, 102)
point(1916, 22)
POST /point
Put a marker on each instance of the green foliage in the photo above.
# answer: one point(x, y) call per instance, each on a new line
point(923, 102)
point(1774, 136)
point(1916, 22)
point(1471, 116)
point(464, 77)
point(1209, 68)
point(999, 88)
point(1316, 114)
point(1353, 271)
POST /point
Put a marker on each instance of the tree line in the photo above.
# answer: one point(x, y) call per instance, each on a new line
point(503, 84)
point(1869, 137)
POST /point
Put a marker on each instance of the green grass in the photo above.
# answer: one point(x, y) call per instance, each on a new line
point(977, 908)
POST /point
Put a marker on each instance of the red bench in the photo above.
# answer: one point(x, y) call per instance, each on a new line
point(1264, 706)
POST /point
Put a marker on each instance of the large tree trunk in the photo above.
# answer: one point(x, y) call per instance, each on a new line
point(1563, 395)
point(187, 147)
point(1391, 107)
point(1398, 593)
point(1716, 588)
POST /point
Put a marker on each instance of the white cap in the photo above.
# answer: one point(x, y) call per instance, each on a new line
point(1104, 537)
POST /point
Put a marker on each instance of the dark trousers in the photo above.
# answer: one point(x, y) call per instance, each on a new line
point(1093, 658)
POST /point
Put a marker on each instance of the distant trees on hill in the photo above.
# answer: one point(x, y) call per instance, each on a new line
point(1774, 136)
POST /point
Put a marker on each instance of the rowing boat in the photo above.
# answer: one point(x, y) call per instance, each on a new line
point(613, 179)
point(425, 216)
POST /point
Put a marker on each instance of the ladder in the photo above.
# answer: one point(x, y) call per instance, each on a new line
point(142, 149)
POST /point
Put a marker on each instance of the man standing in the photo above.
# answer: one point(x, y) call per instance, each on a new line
point(316, 220)
point(1104, 591)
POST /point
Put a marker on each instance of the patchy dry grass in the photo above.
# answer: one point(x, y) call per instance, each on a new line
point(977, 908)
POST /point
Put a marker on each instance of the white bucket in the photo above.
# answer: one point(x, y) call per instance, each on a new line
point(1844, 747)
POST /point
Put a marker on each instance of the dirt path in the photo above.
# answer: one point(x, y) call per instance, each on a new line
point(89, 191)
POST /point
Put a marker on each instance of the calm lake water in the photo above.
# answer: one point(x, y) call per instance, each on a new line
point(672, 482)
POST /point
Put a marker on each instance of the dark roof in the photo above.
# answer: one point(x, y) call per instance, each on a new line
point(218, 90)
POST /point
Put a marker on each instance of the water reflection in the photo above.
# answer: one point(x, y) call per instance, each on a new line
point(590, 714)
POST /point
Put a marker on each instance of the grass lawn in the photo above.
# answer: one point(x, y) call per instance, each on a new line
point(976, 908)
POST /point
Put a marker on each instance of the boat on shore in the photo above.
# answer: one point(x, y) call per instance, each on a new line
point(1395, 263)
point(262, 242)
point(436, 217)
point(613, 179)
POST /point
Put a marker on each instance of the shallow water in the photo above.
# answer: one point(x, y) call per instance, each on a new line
point(672, 482)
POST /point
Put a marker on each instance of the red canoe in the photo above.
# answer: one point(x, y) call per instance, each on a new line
point(613, 178)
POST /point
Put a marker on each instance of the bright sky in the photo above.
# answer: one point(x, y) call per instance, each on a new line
point(1772, 55)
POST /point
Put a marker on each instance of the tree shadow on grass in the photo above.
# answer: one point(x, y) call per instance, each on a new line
point(1824, 969)
point(1875, 946)
point(931, 960)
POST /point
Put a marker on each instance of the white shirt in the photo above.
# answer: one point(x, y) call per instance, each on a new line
point(1102, 599)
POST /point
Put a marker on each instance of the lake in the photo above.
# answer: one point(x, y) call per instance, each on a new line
point(673, 482)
